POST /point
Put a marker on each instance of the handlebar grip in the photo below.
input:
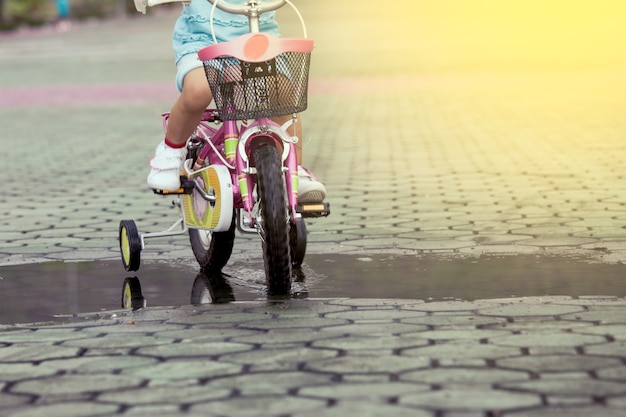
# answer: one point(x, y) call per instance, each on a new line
point(142, 5)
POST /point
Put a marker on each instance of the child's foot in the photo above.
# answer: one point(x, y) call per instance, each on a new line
point(166, 165)
point(310, 190)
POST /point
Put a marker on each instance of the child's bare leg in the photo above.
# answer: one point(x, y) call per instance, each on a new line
point(187, 110)
point(184, 118)
point(310, 189)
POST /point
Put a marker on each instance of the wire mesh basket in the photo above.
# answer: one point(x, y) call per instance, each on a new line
point(251, 90)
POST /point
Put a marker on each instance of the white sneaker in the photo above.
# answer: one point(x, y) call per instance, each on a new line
point(166, 165)
point(310, 190)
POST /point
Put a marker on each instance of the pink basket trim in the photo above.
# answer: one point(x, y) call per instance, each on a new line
point(256, 47)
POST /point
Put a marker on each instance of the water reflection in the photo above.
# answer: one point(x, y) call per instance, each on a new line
point(209, 287)
point(41, 292)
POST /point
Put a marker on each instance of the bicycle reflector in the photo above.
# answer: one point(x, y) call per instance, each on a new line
point(256, 46)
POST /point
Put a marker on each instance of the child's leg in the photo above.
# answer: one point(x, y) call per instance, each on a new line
point(187, 110)
point(184, 118)
point(310, 189)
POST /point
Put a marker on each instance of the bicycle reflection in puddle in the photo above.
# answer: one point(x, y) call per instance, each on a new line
point(209, 287)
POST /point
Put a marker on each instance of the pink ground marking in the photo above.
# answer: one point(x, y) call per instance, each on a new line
point(142, 93)
point(86, 95)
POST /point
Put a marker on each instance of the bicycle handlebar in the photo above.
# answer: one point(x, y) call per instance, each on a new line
point(251, 8)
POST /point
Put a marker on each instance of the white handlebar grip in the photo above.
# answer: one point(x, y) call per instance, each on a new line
point(141, 5)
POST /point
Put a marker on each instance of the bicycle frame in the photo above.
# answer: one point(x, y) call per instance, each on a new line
point(231, 145)
point(242, 158)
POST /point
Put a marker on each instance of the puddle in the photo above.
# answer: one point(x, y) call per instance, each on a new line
point(43, 292)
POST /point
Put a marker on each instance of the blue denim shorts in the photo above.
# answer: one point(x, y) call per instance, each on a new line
point(192, 32)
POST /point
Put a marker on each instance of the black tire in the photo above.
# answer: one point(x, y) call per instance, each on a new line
point(212, 249)
point(130, 245)
point(273, 220)
point(297, 240)
point(132, 298)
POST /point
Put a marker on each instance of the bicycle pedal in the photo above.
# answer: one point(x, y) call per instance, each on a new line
point(186, 187)
point(314, 209)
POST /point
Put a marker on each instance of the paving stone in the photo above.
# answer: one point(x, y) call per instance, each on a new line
point(74, 409)
point(185, 369)
point(449, 376)
point(75, 384)
point(269, 383)
point(559, 363)
point(541, 339)
point(129, 327)
point(164, 395)
point(471, 399)
point(375, 303)
point(111, 363)
point(160, 410)
point(214, 319)
point(606, 316)
point(570, 412)
point(36, 353)
point(363, 391)
point(569, 386)
point(11, 400)
point(523, 309)
point(462, 321)
point(617, 373)
point(18, 371)
point(365, 409)
point(363, 315)
point(368, 364)
point(376, 328)
point(617, 402)
point(372, 343)
point(193, 349)
point(564, 241)
point(529, 324)
point(494, 249)
point(615, 331)
point(283, 359)
point(282, 338)
point(113, 342)
point(462, 334)
point(565, 401)
point(461, 350)
point(294, 323)
point(268, 405)
point(456, 305)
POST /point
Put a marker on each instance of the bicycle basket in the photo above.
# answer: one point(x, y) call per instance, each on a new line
point(251, 90)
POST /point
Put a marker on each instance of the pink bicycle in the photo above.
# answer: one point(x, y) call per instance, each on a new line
point(241, 170)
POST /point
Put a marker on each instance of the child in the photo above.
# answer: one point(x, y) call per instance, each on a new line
point(192, 32)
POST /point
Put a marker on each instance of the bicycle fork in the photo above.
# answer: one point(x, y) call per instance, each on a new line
point(265, 133)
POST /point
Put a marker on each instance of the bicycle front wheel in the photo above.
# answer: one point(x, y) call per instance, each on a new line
point(273, 220)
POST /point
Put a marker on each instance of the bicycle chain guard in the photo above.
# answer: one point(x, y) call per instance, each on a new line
point(200, 213)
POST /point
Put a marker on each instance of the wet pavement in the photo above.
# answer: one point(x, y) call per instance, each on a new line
point(489, 169)
point(60, 291)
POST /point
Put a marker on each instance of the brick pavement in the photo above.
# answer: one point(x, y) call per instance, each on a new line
point(433, 136)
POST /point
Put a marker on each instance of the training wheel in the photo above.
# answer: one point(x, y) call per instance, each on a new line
point(132, 298)
point(130, 245)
